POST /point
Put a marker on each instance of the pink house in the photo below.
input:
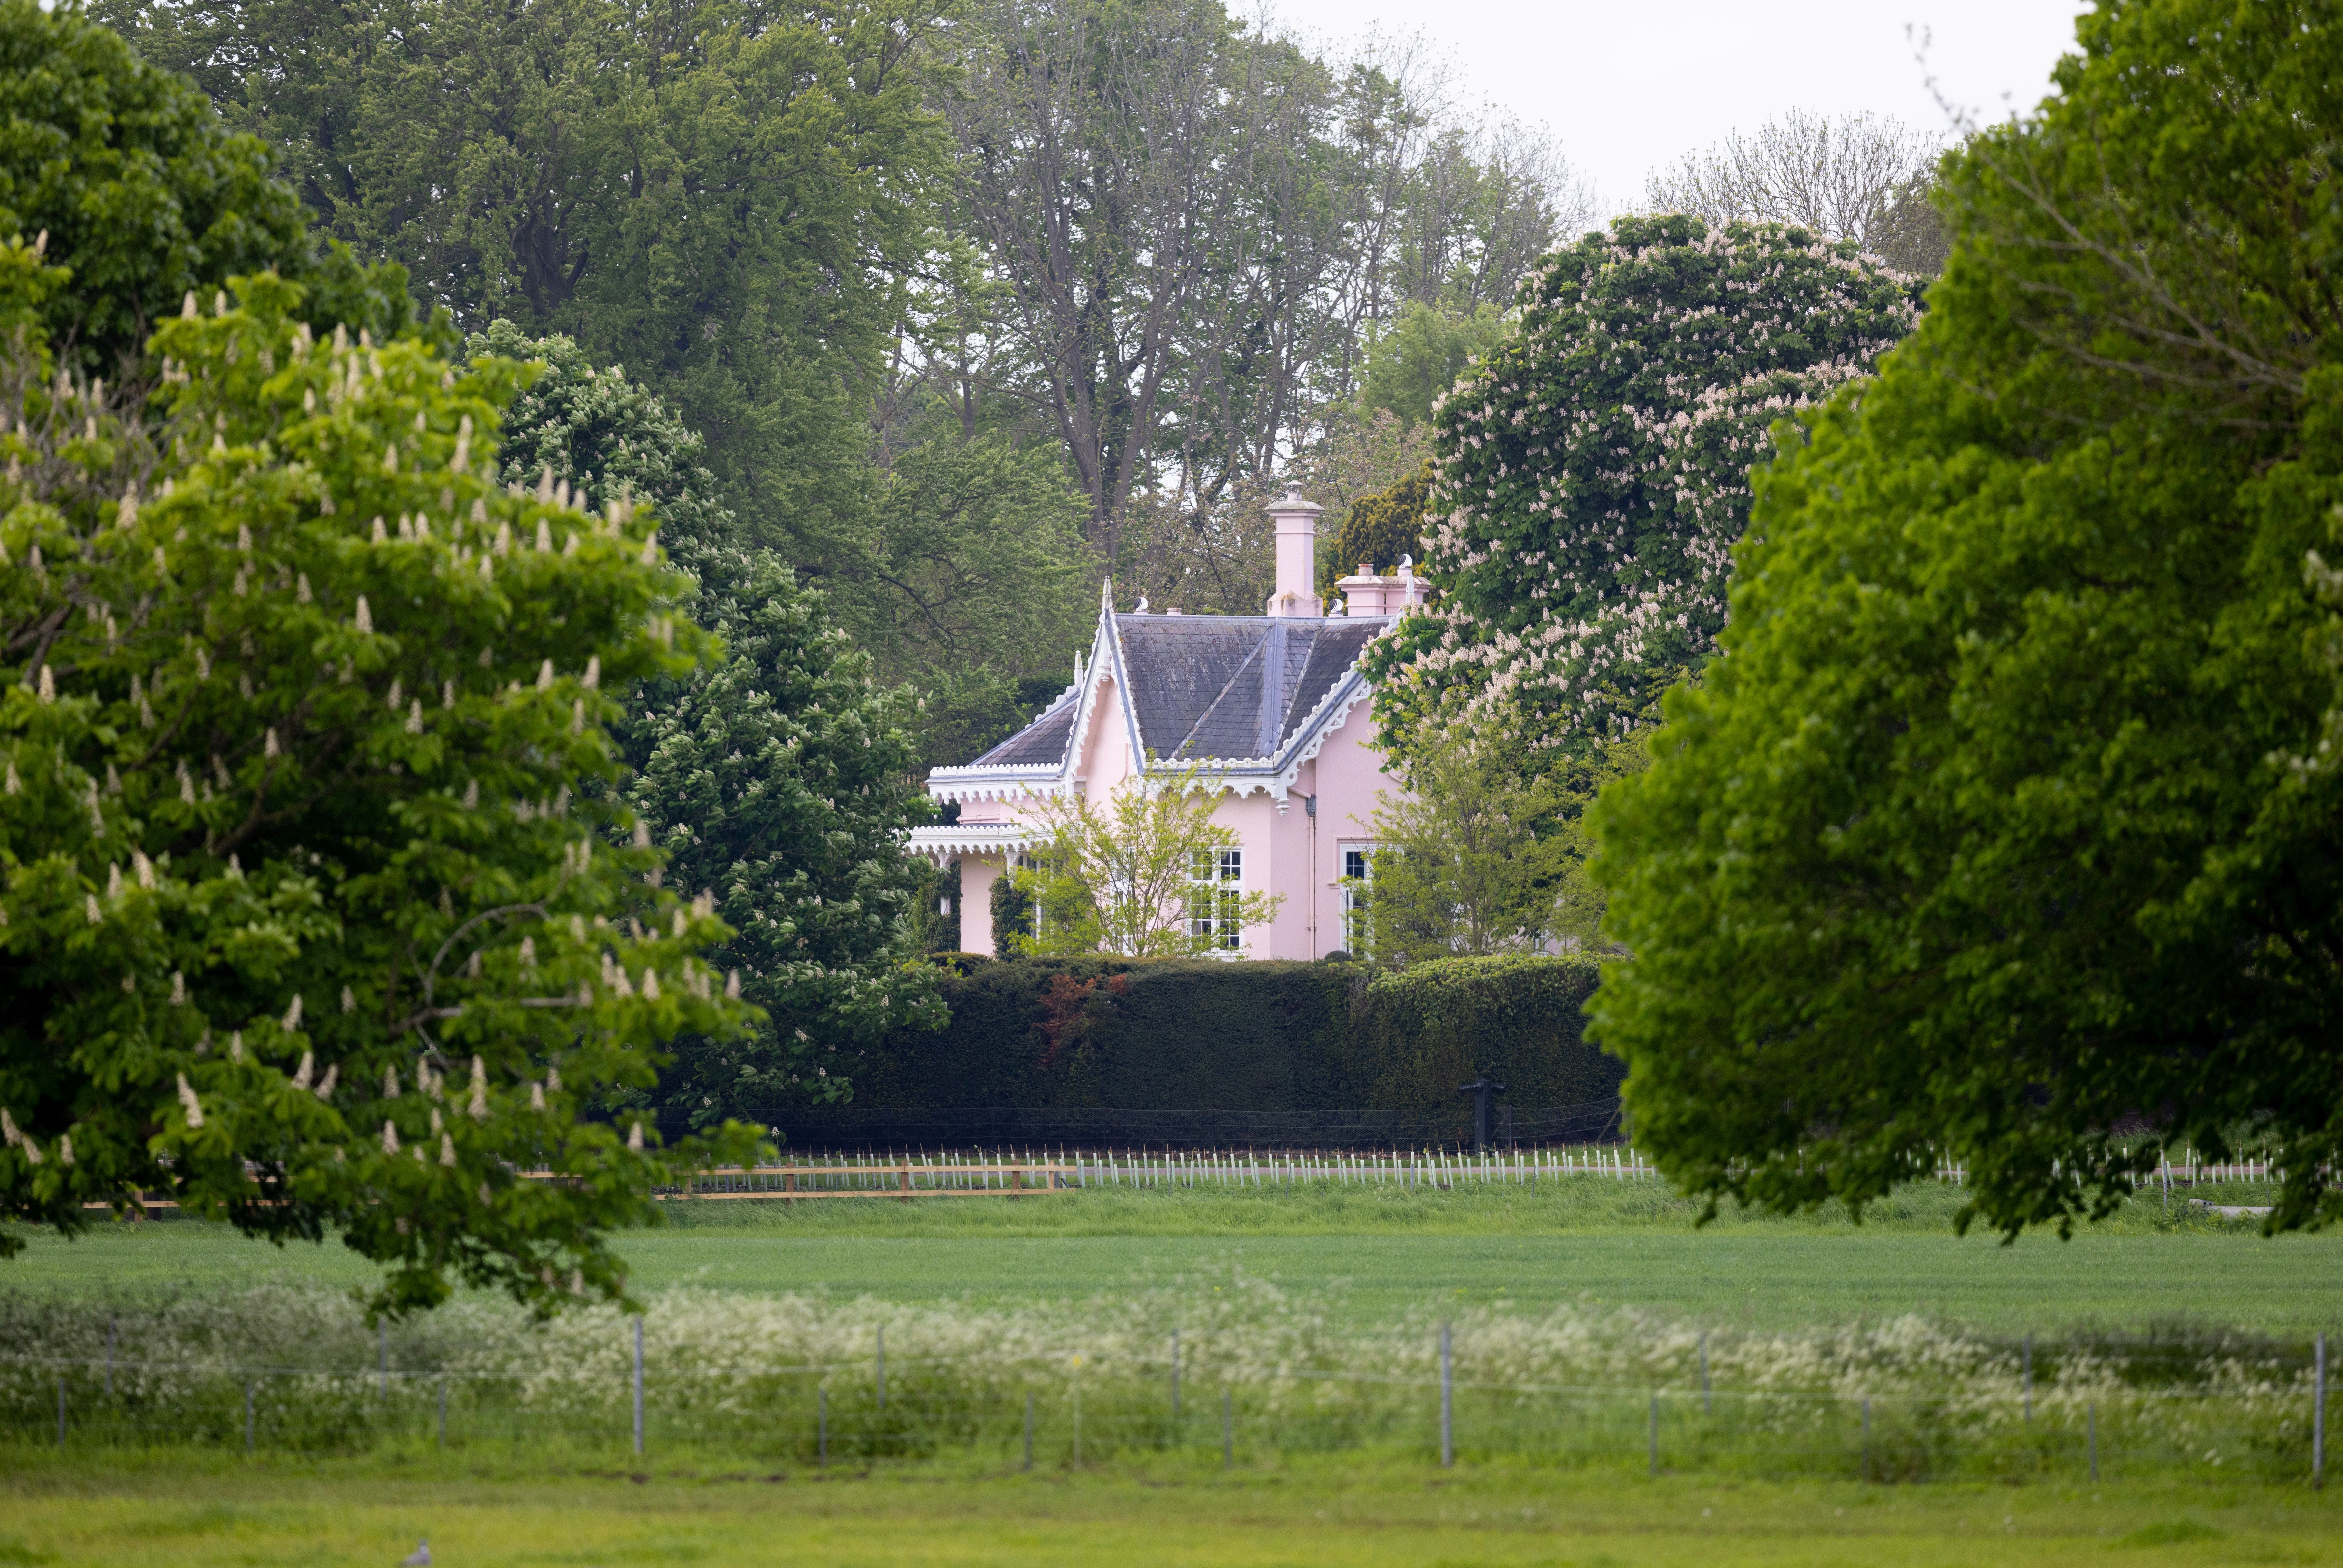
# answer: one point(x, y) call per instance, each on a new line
point(1275, 707)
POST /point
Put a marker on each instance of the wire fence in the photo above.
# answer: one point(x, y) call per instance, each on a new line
point(1075, 1410)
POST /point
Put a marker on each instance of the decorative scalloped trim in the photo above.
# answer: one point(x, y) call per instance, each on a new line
point(1357, 689)
point(942, 844)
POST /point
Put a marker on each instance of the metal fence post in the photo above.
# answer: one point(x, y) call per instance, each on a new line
point(639, 1384)
point(882, 1366)
point(1029, 1429)
point(112, 1323)
point(1447, 1405)
point(2319, 1413)
point(2095, 1440)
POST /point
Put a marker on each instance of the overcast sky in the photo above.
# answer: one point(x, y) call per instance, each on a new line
point(1629, 86)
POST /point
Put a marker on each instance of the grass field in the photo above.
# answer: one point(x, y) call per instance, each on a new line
point(197, 1509)
point(1382, 1252)
point(1374, 1256)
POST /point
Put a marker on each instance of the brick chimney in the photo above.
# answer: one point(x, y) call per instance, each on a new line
point(1297, 556)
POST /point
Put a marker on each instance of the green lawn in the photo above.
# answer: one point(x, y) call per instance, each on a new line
point(195, 1510)
point(1382, 1252)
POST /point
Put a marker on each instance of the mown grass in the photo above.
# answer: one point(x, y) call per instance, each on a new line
point(202, 1508)
point(1379, 1251)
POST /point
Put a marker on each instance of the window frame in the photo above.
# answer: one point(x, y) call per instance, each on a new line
point(1358, 892)
point(1215, 895)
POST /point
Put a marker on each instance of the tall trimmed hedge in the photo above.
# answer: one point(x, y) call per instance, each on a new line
point(1414, 1035)
point(1078, 1033)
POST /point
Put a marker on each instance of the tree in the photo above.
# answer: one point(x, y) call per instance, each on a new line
point(1382, 531)
point(1137, 876)
point(143, 194)
point(1102, 238)
point(977, 564)
point(1591, 477)
point(1481, 854)
point(611, 439)
point(1415, 362)
point(1864, 177)
point(1456, 868)
point(305, 811)
point(779, 779)
point(1183, 227)
point(2005, 829)
point(726, 201)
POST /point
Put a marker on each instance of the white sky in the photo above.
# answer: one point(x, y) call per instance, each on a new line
point(1630, 86)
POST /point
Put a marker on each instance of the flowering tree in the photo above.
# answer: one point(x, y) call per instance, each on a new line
point(1591, 476)
point(311, 919)
point(778, 778)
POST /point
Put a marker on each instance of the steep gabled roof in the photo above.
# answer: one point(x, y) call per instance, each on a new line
point(1224, 687)
point(1250, 695)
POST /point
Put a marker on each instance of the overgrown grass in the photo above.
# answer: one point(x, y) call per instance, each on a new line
point(1379, 1251)
point(1231, 1361)
point(200, 1509)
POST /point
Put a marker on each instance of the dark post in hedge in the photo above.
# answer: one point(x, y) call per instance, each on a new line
point(1480, 1089)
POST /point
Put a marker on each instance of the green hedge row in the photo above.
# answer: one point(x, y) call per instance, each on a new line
point(1077, 1033)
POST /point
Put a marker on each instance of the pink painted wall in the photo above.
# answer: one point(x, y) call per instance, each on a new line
point(976, 880)
point(1287, 852)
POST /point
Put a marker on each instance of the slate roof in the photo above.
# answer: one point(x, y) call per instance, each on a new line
point(1043, 741)
point(1211, 688)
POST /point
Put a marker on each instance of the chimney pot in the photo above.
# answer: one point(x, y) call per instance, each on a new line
point(1297, 554)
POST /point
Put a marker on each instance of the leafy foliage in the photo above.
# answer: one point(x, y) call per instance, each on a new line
point(723, 199)
point(777, 779)
point(610, 439)
point(1591, 477)
point(143, 195)
point(1481, 855)
point(1415, 362)
point(1383, 528)
point(1121, 878)
point(299, 820)
point(977, 564)
point(2009, 820)
point(1266, 1036)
